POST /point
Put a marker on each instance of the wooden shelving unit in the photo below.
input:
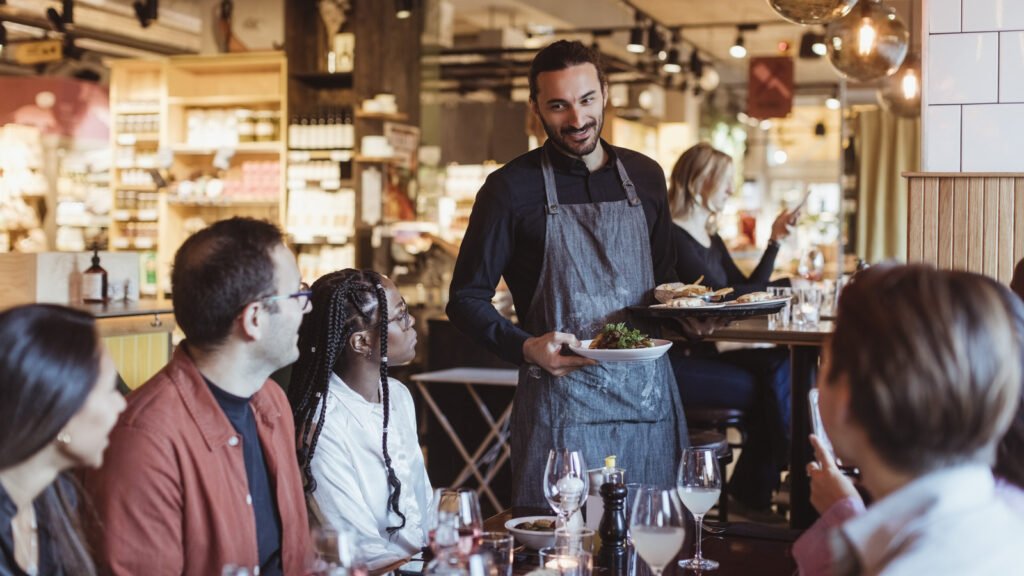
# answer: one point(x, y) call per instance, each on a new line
point(207, 107)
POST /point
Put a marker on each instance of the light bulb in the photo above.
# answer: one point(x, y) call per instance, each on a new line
point(780, 156)
point(737, 51)
point(832, 103)
point(820, 48)
point(909, 85)
point(866, 37)
point(672, 67)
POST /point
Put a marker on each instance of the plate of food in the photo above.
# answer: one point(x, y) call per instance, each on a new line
point(666, 293)
point(757, 299)
point(533, 531)
point(620, 343)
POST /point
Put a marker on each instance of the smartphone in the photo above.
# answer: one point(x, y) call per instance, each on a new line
point(414, 567)
point(803, 201)
point(816, 423)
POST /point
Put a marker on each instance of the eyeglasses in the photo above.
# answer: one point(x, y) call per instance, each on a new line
point(303, 296)
point(403, 318)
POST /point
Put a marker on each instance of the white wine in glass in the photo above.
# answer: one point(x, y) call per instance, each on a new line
point(700, 484)
point(658, 526)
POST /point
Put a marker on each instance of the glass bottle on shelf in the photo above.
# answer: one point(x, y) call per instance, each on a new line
point(94, 281)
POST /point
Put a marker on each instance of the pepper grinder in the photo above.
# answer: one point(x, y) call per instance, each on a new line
point(613, 522)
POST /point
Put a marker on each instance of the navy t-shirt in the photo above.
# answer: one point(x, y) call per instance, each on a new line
point(264, 506)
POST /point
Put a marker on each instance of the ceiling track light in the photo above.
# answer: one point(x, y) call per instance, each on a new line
point(146, 11)
point(403, 9)
point(636, 36)
point(738, 50)
point(63, 20)
point(672, 65)
point(3, 38)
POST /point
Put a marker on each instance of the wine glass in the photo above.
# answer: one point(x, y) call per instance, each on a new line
point(657, 526)
point(699, 485)
point(566, 482)
point(458, 509)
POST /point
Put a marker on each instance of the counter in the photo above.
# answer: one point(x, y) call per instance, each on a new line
point(137, 335)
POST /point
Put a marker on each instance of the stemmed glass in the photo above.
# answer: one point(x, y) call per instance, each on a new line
point(459, 510)
point(699, 484)
point(566, 483)
point(657, 526)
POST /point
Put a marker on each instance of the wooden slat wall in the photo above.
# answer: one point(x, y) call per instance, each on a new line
point(969, 222)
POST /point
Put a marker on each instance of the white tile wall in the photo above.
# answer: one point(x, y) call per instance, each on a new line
point(993, 137)
point(963, 68)
point(989, 15)
point(1011, 66)
point(942, 150)
point(943, 16)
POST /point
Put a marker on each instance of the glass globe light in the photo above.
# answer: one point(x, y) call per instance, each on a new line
point(812, 11)
point(901, 93)
point(710, 79)
point(868, 43)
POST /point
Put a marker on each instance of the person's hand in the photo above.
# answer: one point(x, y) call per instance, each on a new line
point(828, 483)
point(783, 224)
point(545, 351)
point(695, 329)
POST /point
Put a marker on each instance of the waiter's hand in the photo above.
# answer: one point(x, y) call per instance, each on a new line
point(545, 351)
point(695, 329)
point(828, 483)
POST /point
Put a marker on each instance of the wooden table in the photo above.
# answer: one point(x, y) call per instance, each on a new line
point(805, 348)
point(742, 550)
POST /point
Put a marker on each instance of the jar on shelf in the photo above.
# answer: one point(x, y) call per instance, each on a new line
point(246, 125)
point(265, 126)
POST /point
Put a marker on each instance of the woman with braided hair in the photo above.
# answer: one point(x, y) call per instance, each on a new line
point(356, 427)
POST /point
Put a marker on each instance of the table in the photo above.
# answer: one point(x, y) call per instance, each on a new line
point(469, 378)
point(742, 550)
point(805, 348)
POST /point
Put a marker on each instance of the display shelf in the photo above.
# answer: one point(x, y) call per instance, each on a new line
point(132, 138)
point(389, 116)
point(325, 80)
point(219, 202)
point(224, 100)
point(136, 187)
point(375, 159)
point(141, 108)
point(334, 155)
point(333, 239)
point(239, 148)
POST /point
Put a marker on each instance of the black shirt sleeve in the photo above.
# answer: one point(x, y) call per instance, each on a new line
point(483, 256)
point(758, 279)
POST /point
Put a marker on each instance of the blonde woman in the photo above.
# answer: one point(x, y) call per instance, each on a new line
point(753, 380)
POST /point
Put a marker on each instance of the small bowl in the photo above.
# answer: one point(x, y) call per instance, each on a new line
point(535, 539)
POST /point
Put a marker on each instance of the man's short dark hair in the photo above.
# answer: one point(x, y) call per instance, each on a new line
point(561, 55)
point(217, 272)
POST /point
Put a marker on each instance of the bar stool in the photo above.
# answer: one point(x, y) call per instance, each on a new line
point(723, 452)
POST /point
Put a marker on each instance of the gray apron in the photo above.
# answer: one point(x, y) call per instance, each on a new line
point(597, 262)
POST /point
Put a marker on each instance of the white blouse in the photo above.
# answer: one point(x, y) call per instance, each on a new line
point(351, 480)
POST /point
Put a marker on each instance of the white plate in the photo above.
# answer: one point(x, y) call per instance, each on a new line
point(535, 539)
point(735, 304)
point(631, 355)
point(706, 306)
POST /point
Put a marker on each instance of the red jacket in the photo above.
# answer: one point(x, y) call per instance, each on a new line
point(172, 495)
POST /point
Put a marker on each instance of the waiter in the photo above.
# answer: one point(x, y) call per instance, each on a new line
point(580, 230)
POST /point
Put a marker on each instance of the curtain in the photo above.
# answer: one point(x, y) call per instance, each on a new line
point(889, 146)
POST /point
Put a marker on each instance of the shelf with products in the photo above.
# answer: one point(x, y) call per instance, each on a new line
point(23, 189)
point(215, 148)
point(83, 199)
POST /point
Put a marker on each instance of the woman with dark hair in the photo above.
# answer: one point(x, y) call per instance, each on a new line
point(753, 380)
point(918, 386)
point(356, 427)
point(58, 403)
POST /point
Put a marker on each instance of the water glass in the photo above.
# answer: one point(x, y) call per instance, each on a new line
point(500, 546)
point(780, 319)
point(575, 538)
point(566, 482)
point(567, 562)
point(700, 485)
point(658, 526)
point(807, 307)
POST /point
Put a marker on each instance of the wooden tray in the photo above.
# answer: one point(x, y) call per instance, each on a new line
point(727, 311)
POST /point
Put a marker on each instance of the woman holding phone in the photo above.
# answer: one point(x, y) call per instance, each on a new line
point(753, 380)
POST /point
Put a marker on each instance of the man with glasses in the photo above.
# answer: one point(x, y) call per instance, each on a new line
point(201, 470)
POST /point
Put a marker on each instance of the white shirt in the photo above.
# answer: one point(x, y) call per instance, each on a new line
point(351, 480)
point(950, 521)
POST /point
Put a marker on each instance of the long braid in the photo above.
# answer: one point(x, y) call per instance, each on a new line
point(394, 484)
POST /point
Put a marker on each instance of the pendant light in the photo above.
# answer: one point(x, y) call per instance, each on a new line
point(738, 49)
point(812, 11)
point(636, 36)
point(901, 93)
point(868, 43)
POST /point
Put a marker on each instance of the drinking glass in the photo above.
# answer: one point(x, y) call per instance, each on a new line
point(808, 306)
point(812, 265)
point(566, 482)
point(658, 526)
point(500, 546)
point(699, 484)
point(566, 562)
point(335, 549)
point(575, 538)
point(781, 318)
point(459, 510)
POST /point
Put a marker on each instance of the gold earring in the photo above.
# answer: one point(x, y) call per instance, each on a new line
point(64, 438)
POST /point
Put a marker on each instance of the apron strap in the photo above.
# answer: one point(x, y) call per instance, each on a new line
point(634, 200)
point(549, 183)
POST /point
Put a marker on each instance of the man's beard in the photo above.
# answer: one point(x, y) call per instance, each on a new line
point(572, 149)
